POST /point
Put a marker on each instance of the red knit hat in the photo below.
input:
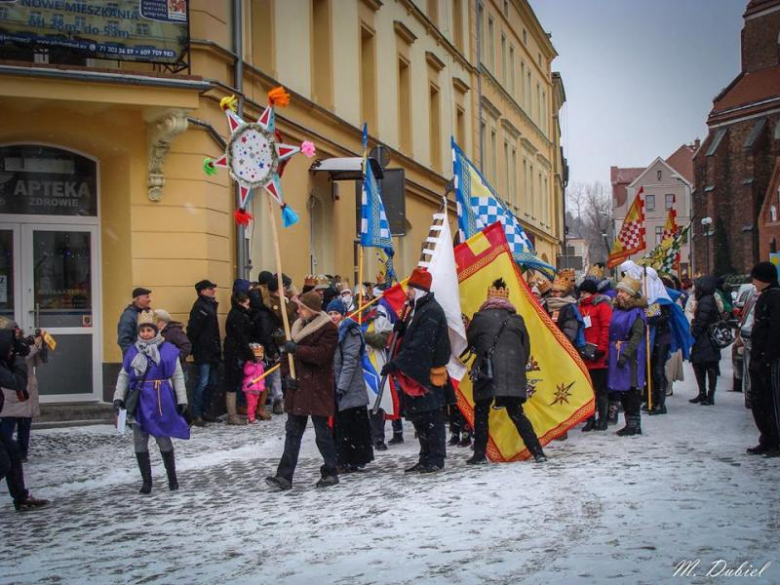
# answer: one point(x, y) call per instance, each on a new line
point(420, 279)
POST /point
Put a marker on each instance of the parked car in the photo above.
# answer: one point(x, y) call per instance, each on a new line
point(741, 297)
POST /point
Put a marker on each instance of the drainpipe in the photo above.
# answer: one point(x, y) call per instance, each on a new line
point(243, 264)
point(479, 88)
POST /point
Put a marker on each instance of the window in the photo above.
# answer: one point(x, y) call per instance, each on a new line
point(263, 37)
point(659, 234)
point(668, 201)
point(546, 202)
point(507, 189)
point(321, 54)
point(544, 112)
point(491, 44)
point(460, 126)
point(482, 132)
point(433, 11)
point(435, 128)
point(525, 178)
point(512, 88)
point(538, 108)
point(404, 106)
point(522, 82)
point(457, 23)
point(368, 76)
point(504, 76)
point(481, 30)
point(658, 175)
point(650, 202)
point(528, 96)
point(514, 195)
point(506, 7)
point(772, 213)
point(525, 37)
point(493, 156)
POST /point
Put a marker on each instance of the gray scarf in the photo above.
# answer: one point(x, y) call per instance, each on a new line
point(147, 350)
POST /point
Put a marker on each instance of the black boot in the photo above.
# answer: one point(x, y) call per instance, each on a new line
point(612, 412)
point(711, 397)
point(477, 459)
point(170, 469)
point(145, 466)
point(396, 440)
point(454, 439)
point(590, 425)
point(702, 396)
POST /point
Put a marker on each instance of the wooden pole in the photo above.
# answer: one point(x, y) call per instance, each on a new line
point(648, 350)
point(282, 297)
point(360, 284)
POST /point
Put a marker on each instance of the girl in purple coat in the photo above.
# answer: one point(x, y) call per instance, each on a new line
point(627, 352)
point(152, 365)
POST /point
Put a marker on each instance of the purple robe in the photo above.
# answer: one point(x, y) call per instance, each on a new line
point(156, 413)
point(621, 379)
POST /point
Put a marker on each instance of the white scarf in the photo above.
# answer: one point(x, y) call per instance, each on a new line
point(147, 350)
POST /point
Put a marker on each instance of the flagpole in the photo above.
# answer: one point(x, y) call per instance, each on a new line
point(360, 285)
point(279, 279)
point(647, 356)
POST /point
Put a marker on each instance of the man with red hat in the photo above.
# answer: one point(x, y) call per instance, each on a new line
point(419, 370)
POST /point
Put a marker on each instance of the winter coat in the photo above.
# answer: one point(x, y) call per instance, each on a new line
point(765, 337)
point(348, 367)
point(425, 345)
point(597, 309)
point(706, 315)
point(203, 331)
point(30, 408)
point(253, 370)
point(127, 329)
point(263, 324)
point(174, 334)
point(13, 372)
point(565, 317)
point(316, 344)
point(162, 388)
point(511, 353)
point(238, 336)
point(627, 338)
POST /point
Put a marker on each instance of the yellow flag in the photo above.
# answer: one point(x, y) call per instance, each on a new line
point(559, 387)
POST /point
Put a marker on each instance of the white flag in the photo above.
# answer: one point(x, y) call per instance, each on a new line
point(444, 274)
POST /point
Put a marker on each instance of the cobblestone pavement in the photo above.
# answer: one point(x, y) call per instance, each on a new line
point(603, 509)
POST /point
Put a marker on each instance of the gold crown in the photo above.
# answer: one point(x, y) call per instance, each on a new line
point(564, 280)
point(322, 280)
point(543, 285)
point(498, 289)
point(146, 318)
point(309, 280)
point(596, 271)
point(630, 286)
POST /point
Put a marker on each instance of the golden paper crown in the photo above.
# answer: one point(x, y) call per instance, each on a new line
point(564, 280)
point(596, 272)
point(543, 285)
point(147, 318)
point(630, 286)
point(498, 289)
point(321, 281)
point(309, 280)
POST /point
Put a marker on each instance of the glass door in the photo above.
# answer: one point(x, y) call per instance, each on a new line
point(9, 280)
point(59, 275)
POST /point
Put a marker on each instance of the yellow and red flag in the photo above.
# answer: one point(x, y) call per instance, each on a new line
point(631, 238)
point(560, 393)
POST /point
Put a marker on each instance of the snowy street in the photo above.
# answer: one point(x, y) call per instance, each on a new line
point(604, 509)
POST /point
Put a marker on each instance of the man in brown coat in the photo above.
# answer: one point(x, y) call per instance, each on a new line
point(314, 343)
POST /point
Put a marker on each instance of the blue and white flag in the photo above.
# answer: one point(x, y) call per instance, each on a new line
point(374, 227)
point(479, 206)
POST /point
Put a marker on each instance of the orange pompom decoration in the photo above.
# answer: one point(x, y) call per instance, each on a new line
point(242, 217)
point(278, 97)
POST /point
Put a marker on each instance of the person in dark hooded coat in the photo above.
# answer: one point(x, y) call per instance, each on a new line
point(419, 370)
point(705, 356)
point(497, 330)
point(238, 336)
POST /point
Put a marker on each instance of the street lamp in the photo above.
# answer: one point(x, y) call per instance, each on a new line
point(706, 222)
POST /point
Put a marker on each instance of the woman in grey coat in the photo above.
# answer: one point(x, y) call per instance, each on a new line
point(352, 428)
point(497, 332)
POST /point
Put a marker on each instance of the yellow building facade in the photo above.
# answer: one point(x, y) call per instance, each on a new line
point(133, 136)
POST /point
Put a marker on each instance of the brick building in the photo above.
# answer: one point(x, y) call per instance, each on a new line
point(736, 163)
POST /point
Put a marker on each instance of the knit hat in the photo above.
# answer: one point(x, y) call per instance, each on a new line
point(265, 277)
point(589, 286)
point(162, 315)
point(631, 286)
point(241, 285)
point(498, 289)
point(420, 279)
point(273, 284)
point(203, 285)
point(764, 272)
point(140, 291)
point(564, 280)
point(312, 301)
point(336, 306)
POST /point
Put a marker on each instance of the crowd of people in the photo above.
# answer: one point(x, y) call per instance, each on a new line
point(633, 335)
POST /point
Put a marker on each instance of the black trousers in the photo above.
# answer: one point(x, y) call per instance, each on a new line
point(294, 429)
point(632, 402)
point(658, 371)
point(11, 468)
point(599, 379)
point(352, 433)
point(765, 403)
point(458, 424)
point(706, 372)
point(378, 426)
point(432, 435)
point(514, 408)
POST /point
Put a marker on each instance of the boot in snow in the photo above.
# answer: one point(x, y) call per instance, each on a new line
point(29, 504)
point(590, 425)
point(170, 469)
point(230, 404)
point(278, 407)
point(145, 466)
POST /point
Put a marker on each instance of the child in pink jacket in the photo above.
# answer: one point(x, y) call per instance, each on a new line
point(255, 392)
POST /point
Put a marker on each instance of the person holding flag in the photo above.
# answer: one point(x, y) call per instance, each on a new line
point(419, 368)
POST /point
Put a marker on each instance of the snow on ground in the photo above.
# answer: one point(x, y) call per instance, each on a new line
point(604, 509)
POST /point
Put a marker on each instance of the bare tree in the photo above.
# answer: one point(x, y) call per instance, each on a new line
point(589, 214)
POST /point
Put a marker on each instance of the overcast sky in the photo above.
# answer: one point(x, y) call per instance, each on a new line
point(640, 75)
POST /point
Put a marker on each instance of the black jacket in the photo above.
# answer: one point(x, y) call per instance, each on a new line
point(203, 331)
point(660, 322)
point(510, 356)
point(174, 334)
point(706, 314)
point(765, 337)
point(238, 336)
point(13, 371)
point(425, 345)
point(263, 324)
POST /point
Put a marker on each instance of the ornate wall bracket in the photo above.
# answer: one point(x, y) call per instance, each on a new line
point(162, 131)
